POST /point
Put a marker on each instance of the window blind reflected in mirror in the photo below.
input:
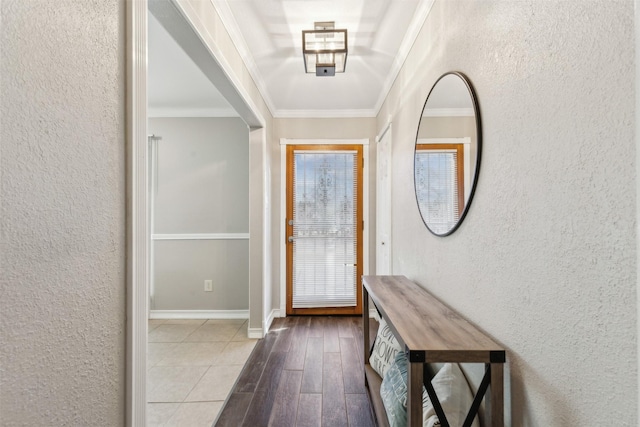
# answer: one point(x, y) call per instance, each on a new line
point(438, 187)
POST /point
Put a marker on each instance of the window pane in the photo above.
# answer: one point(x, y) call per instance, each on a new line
point(437, 188)
point(324, 229)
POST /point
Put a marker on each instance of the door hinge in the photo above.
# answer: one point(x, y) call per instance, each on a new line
point(363, 225)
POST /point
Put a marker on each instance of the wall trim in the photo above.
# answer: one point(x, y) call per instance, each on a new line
point(254, 333)
point(137, 210)
point(192, 112)
point(385, 128)
point(269, 320)
point(283, 232)
point(288, 141)
point(636, 4)
point(325, 114)
point(267, 258)
point(199, 314)
point(384, 205)
point(201, 236)
point(461, 140)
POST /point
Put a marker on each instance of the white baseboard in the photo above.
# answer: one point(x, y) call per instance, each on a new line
point(269, 320)
point(199, 314)
point(254, 333)
point(373, 313)
point(257, 333)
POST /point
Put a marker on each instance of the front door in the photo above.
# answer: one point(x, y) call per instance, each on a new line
point(324, 229)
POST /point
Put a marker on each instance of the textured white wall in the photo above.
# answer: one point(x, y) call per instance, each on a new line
point(545, 261)
point(62, 315)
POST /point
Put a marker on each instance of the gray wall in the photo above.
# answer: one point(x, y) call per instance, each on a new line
point(546, 259)
point(202, 187)
point(62, 193)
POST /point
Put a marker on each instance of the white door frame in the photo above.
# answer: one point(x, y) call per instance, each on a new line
point(283, 205)
point(383, 201)
point(201, 46)
point(138, 233)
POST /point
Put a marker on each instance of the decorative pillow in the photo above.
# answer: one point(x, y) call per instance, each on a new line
point(454, 395)
point(449, 384)
point(385, 348)
point(393, 391)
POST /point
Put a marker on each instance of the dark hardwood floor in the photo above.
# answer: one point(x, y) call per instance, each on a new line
point(307, 371)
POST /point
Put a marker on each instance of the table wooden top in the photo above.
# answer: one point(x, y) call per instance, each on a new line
point(428, 328)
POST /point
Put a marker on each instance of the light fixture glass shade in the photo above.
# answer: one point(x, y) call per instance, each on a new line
point(324, 48)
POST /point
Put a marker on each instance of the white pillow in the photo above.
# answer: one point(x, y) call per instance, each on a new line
point(449, 384)
point(385, 349)
point(454, 395)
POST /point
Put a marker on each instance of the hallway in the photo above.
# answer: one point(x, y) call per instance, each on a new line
point(307, 371)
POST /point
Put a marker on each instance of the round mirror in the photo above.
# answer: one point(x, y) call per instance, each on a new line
point(447, 156)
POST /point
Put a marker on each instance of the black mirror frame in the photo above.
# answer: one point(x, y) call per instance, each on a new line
point(476, 173)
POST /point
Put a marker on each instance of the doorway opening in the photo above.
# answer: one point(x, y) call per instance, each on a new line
point(189, 32)
point(324, 229)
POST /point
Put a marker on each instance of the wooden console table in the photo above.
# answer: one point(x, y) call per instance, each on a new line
point(431, 332)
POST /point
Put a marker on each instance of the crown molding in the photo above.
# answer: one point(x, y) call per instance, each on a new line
point(419, 18)
point(324, 114)
point(231, 25)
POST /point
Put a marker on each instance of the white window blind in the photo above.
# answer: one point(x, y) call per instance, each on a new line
point(324, 229)
point(437, 188)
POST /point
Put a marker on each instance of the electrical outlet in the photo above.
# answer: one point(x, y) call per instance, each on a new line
point(208, 285)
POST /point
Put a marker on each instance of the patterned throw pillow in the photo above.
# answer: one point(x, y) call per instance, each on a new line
point(393, 392)
point(385, 348)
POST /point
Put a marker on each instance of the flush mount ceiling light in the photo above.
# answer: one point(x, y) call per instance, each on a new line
point(324, 49)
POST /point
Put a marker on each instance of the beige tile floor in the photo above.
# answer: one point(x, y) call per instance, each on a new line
point(193, 364)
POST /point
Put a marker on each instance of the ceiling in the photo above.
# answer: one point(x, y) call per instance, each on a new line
point(176, 86)
point(268, 36)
